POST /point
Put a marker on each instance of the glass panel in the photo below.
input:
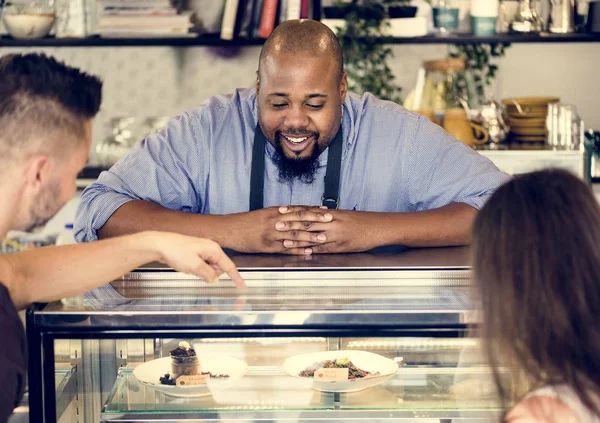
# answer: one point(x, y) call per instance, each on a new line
point(155, 307)
point(435, 377)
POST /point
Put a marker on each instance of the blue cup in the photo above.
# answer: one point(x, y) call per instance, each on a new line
point(445, 19)
point(483, 26)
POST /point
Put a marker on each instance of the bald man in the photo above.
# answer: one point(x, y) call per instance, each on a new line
point(295, 165)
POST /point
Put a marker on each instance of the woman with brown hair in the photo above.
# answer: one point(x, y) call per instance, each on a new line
point(536, 262)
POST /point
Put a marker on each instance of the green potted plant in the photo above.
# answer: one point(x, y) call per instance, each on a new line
point(481, 63)
point(365, 56)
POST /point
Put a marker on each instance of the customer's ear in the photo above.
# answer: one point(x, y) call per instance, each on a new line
point(37, 172)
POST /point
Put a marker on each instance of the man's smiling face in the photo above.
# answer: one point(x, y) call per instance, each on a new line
point(300, 109)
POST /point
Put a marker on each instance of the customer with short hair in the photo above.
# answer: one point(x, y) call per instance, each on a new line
point(46, 112)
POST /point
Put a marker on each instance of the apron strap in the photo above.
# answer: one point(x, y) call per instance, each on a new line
point(329, 199)
point(257, 175)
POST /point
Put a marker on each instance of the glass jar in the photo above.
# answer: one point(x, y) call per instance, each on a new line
point(184, 366)
point(441, 84)
point(29, 20)
point(445, 16)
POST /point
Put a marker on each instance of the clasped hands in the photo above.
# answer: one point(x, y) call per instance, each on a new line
point(305, 230)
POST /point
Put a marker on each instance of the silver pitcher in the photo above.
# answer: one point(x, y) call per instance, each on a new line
point(490, 115)
point(562, 16)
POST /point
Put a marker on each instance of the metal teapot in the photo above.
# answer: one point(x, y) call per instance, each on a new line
point(490, 115)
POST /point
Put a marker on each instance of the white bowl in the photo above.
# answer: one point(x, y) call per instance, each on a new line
point(28, 26)
point(401, 27)
point(406, 27)
point(364, 360)
point(149, 373)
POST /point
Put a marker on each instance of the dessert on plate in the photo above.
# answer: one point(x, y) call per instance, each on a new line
point(184, 361)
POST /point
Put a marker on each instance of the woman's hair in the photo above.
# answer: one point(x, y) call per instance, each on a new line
point(536, 263)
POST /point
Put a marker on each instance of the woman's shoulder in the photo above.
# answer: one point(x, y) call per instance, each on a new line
point(542, 409)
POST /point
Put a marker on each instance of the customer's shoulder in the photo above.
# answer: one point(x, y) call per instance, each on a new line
point(542, 409)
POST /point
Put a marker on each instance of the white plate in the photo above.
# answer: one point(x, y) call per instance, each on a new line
point(150, 372)
point(362, 359)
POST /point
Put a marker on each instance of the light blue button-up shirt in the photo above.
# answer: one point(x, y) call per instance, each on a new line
point(393, 161)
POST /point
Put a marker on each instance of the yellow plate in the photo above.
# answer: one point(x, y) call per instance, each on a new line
point(528, 131)
point(527, 114)
point(528, 138)
point(527, 123)
point(530, 101)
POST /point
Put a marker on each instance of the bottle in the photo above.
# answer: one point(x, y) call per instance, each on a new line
point(445, 16)
point(67, 236)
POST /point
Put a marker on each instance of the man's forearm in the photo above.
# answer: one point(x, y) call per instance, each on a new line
point(137, 216)
point(447, 226)
point(51, 273)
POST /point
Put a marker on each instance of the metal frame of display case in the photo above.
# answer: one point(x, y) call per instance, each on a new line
point(448, 318)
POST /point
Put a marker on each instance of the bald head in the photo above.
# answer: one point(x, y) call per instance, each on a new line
point(303, 37)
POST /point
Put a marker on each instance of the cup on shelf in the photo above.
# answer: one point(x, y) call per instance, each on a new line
point(484, 14)
point(446, 16)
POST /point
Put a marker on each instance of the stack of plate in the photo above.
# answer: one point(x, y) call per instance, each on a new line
point(527, 117)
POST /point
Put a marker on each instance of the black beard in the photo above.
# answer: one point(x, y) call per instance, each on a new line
point(303, 169)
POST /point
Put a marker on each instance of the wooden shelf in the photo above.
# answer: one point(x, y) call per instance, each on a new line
point(215, 41)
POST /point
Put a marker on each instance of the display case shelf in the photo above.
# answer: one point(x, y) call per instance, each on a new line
point(415, 392)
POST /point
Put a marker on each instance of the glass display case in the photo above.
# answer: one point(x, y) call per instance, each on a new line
point(399, 320)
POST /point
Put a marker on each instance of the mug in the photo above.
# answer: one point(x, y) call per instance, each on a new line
point(457, 124)
point(484, 14)
point(429, 113)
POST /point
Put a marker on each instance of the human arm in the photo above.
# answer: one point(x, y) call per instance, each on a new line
point(51, 273)
point(250, 232)
point(355, 231)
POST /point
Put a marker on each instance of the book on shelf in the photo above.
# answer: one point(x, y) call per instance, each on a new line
point(293, 9)
point(305, 9)
point(183, 20)
point(256, 15)
point(135, 3)
point(267, 19)
point(141, 18)
point(245, 16)
point(229, 17)
point(282, 11)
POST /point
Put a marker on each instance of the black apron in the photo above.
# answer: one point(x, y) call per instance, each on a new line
point(329, 199)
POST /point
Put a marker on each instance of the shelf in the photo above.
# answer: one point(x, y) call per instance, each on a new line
point(414, 392)
point(96, 41)
point(215, 41)
point(499, 38)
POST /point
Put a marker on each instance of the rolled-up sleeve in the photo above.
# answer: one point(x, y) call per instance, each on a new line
point(443, 170)
point(166, 168)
